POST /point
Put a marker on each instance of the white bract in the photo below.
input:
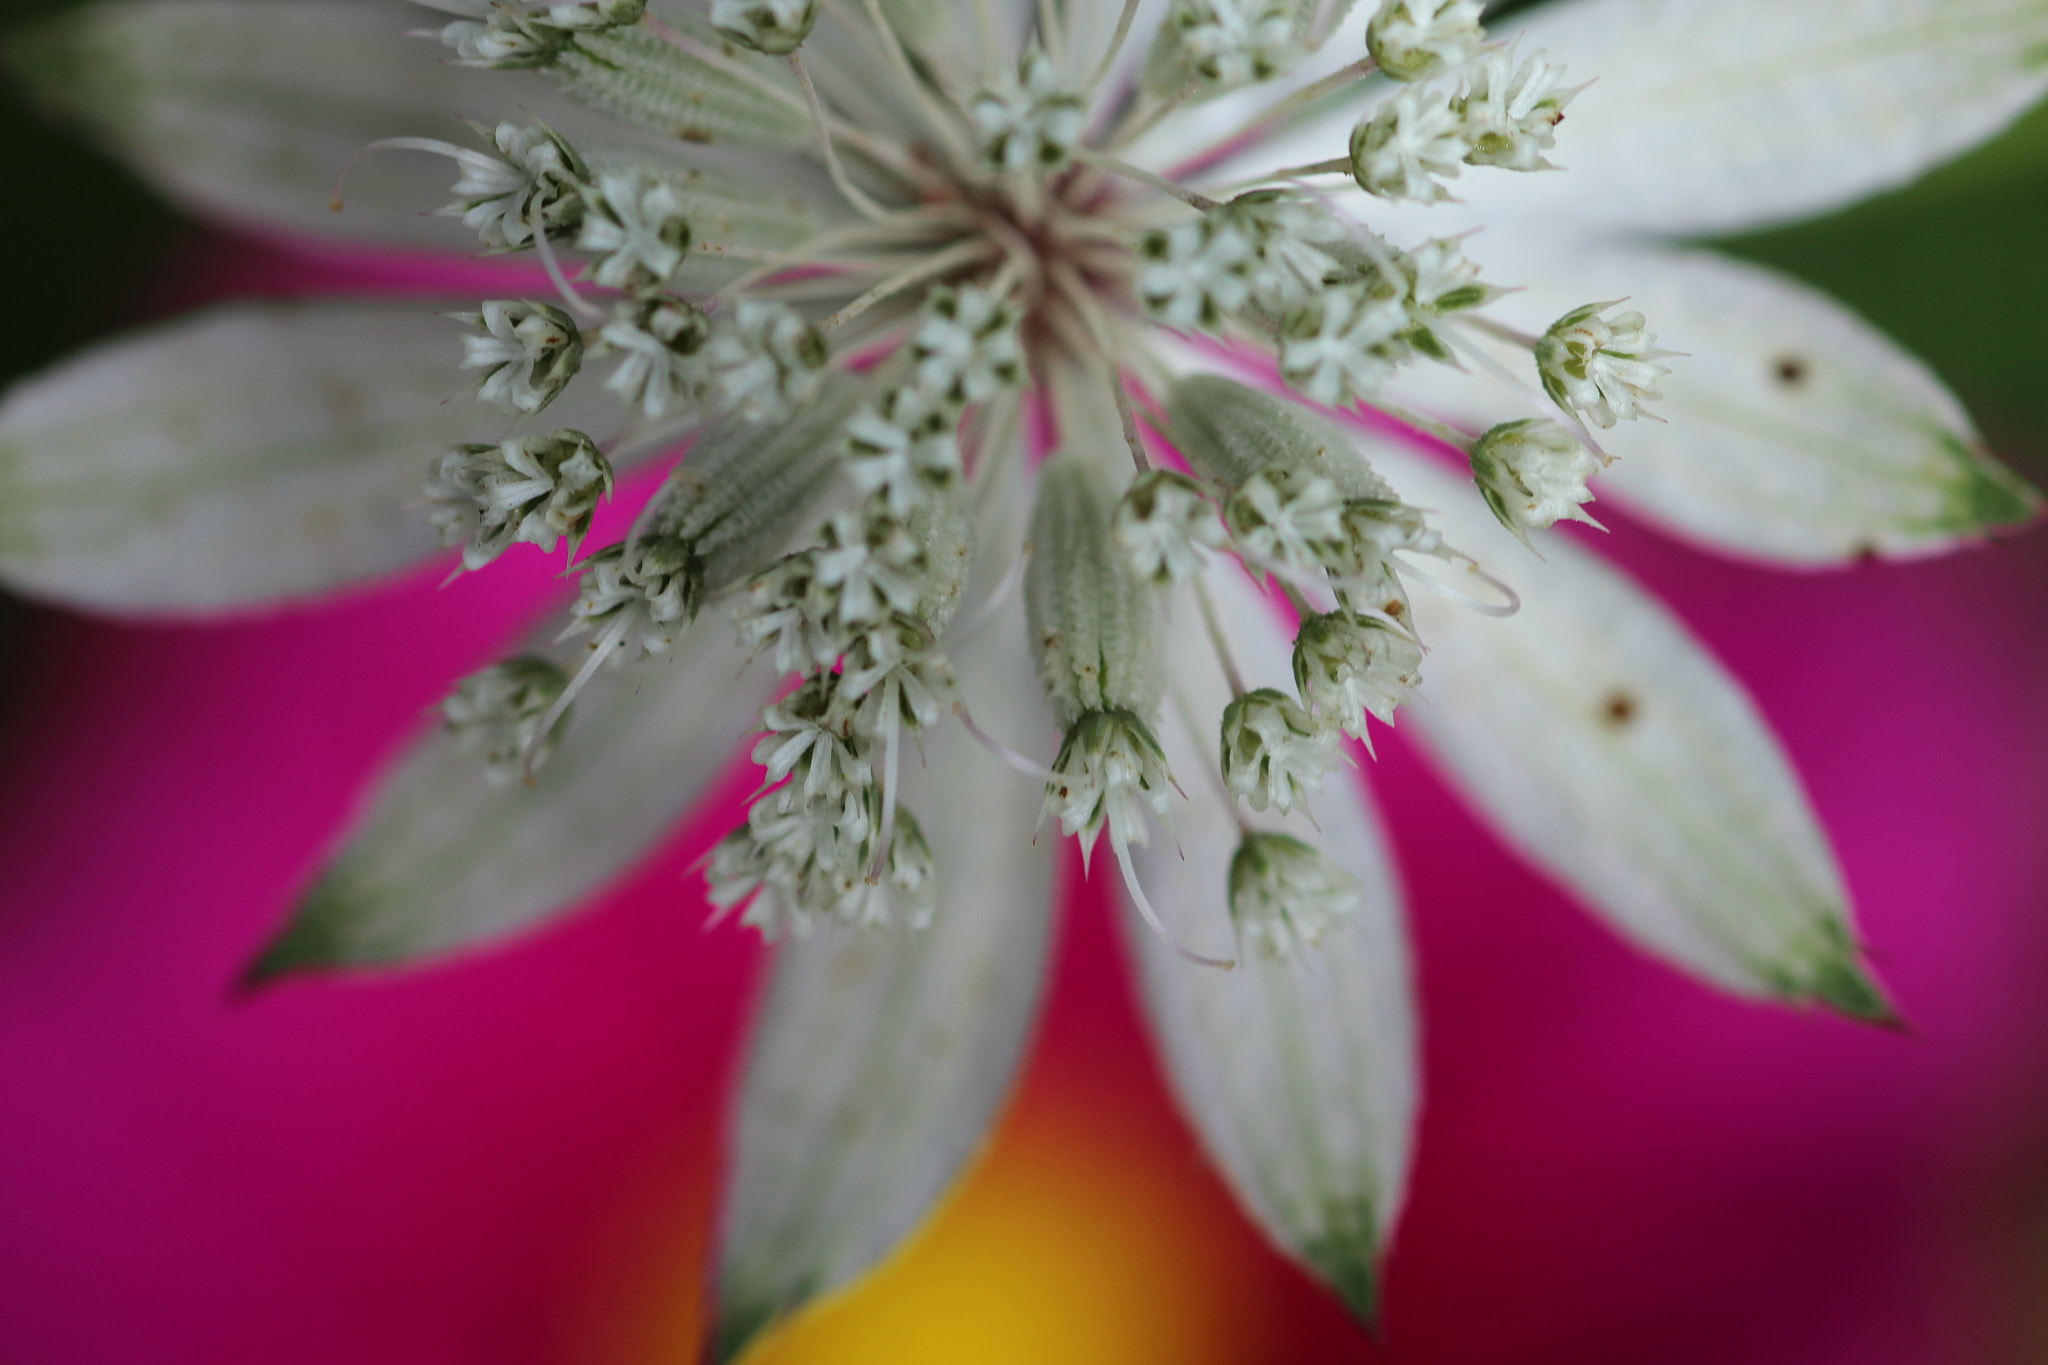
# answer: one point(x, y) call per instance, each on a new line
point(874, 261)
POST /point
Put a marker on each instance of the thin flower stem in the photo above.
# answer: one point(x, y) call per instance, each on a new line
point(1336, 165)
point(853, 193)
point(1116, 45)
point(1051, 32)
point(942, 123)
point(1104, 161)
point(1096, 329)
point(1289, 106)
point(1314, 91)
point(1214, 626)
point(1443, 431)
point(966, 253)
point(1137, 127)
point(580, 306)
point(1151, 916)
point(1501, 330)
point(810, 250)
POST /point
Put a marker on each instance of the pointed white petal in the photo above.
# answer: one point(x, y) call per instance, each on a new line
point(879, 1058)
point(1796, 433)
point(1712, 115)
point(1316, 133)
point(1300, 1076)
point(245, 456)
point(1612, 751)
point(245, 110)
point(1709, 116)
point(442, 860)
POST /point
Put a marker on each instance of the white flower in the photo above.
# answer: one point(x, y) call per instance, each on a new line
point(1410, 145)
point(913, 263)
point(1343, 345)
point(1273, 751)
point(1285, 896)
point(772, 26)
point(1603, 368)
point(529, 352)
point(634, 225)
point(1533, 472)
point(1348, 667)
point(1031, 123)
point(1413, 40)
point(1228, 43)
point(1163, 524)
point(530, 488)
point(499, 710)
point(1511, 112)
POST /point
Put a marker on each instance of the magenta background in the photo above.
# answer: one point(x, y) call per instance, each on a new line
point(495, 1162)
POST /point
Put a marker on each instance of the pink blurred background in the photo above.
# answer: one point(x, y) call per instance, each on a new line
point(509, 1160)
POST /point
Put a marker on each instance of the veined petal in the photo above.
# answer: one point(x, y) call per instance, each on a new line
point(245, 456)
point(1708, 116)
point(245, 110)
point(1797, 433)
point(1300, 1075)
point(880, 1057)
point(1712, 115)
point(442, 860)
point(1611, 750)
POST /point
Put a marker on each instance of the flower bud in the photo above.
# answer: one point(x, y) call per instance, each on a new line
point(1533, 472)
point(538, 489)
point(776, 27)
point(1347, 667)
point(529, 352)
point(1412, 40)
point(1511, 112)
point(1163, 524)
point(1033, 124)
point(1223, 44)
point(1274, 751)
point(1109, 770)
point(1407, 144)
point(634, 225)
point(1600, 367)
point(499, 710)
point(1285, 895)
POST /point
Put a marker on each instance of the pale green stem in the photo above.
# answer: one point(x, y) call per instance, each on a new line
point(1217, 640)
point(966, 253)
point(1336, 165)
point(1096, 334)
point(1050, 31)
point(811, 251)
point(1103, 161)
point(1501, 330)
point(1116, 45)
point(853, 193)
point(1137, 127)
point(942, 123)
point(1309, 94)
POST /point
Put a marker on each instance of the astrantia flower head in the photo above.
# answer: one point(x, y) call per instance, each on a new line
point(867, 265)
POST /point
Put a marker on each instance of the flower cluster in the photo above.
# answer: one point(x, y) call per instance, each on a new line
point(962, 311)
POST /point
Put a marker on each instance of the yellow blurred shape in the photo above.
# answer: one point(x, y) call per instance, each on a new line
point(1074, 1243)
